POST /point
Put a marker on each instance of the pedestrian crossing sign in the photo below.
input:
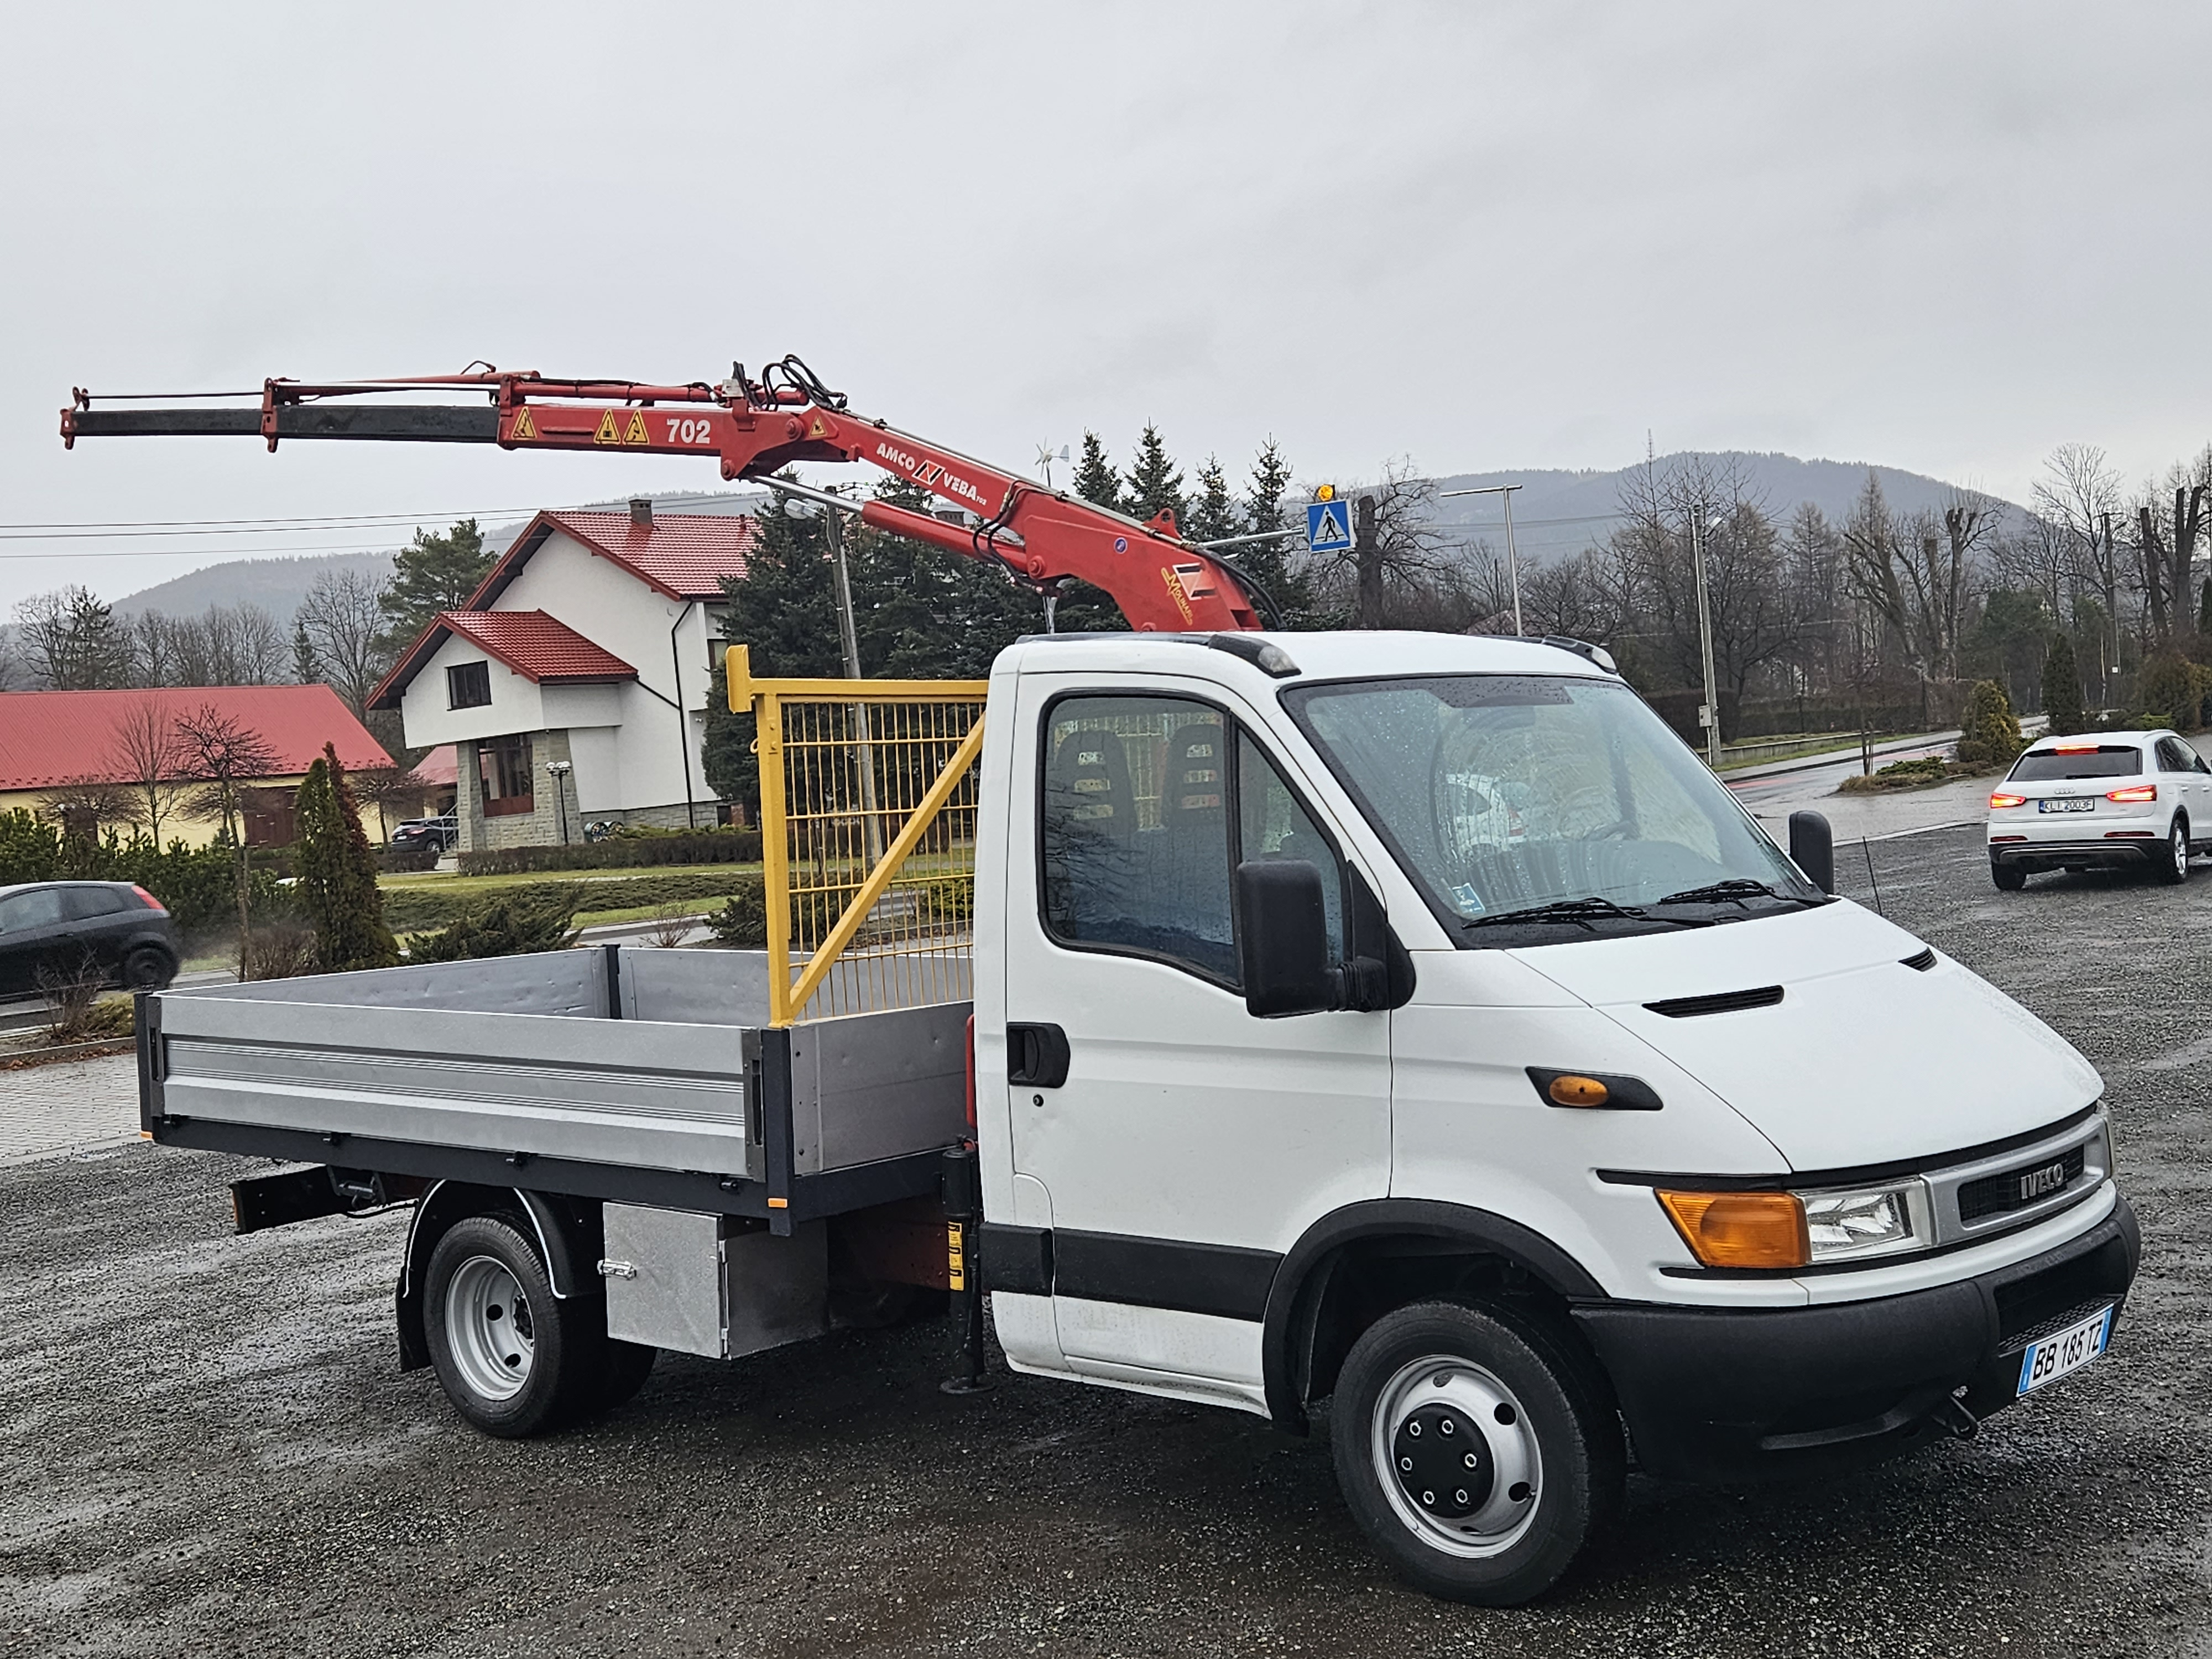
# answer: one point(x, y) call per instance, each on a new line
point(1328, 526)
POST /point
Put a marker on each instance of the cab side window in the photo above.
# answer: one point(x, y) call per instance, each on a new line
point(1148, 803)
point(1135, 829)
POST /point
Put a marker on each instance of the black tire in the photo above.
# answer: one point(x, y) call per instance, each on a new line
point(147, 969)
point(2170, 867)
point(624, 1369)
point(1537, 1409)
point(2009, 878)
point(560, 1357)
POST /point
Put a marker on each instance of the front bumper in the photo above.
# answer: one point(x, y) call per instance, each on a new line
point(1749, 1394)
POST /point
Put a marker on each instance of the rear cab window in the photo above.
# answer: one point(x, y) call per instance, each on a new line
point(2123, 760)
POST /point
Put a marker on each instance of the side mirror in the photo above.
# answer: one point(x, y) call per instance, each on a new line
point(1282, 940)
point(1813, 847)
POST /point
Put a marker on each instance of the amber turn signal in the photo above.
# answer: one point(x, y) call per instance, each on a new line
point(1570, 1090)
point(1740, 1230)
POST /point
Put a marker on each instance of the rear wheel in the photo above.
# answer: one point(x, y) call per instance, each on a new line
point(2173, 868)
point(1477, 1455)
point(514, 1359)
point(2009, 878)
point(148, 969)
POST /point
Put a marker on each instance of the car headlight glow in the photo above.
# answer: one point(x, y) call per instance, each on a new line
point(1864, 1221)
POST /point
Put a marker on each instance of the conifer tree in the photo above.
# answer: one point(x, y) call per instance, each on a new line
point(337, 873)
point(1275, 564)
point(438, 572)
point(2061, 689)
point(1155, 482)
point(1213, 514)
point(305, 669)
point(1095, 480)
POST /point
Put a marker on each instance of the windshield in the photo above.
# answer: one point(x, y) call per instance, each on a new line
point(1542, 809)
point(2043, 765)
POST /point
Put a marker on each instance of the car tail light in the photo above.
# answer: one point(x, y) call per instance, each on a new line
point(149, 901)
point(2072, 749)
point(2001, 798)
point(2134, 792)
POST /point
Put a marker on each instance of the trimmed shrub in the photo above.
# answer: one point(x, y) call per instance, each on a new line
point(2170, 688)
point(744, 920)
point(503, 926)
point(197, 885)
point(620, 851)
point(413, 907)
point(1990, 733)
point(406, 860)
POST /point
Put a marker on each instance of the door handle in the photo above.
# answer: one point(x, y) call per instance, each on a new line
point(1037, 1055)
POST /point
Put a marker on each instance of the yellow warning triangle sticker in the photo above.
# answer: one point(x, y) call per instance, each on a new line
point(524, 428)
point(607, 434)
point(637, 432)
point(819, 429)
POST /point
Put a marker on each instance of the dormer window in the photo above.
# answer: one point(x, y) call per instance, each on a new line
point(468, 685)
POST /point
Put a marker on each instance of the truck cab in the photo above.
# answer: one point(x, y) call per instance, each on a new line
point(1594, 1110)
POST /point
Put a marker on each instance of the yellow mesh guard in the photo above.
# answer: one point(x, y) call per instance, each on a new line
point(867, 838)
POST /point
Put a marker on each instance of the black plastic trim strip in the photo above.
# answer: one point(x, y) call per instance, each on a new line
point(1224, 1281)
point(1853, 1176)
point(1014, 1259)
point(1718, 1002)
point(1920, 961)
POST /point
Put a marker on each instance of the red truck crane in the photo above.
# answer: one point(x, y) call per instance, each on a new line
point(756, 427)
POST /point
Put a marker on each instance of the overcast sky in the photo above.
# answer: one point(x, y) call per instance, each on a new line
point(1946, 238)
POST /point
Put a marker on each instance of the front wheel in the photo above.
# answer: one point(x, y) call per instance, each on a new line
point(1476, 1454)
point(2173, 868)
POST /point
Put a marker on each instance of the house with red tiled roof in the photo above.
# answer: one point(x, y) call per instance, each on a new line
point(95, 757)
point(573, 684)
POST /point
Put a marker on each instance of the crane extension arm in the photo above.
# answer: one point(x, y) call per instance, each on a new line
point(754, 427)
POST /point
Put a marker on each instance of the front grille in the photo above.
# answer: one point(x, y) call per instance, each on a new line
point(2008, 1190)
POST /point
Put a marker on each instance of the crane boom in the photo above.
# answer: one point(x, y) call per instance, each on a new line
point(754, 428)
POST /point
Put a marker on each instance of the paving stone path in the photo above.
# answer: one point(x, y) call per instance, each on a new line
point(69, 1106)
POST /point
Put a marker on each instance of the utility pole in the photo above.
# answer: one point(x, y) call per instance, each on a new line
point(1512, 558)
point(1367, 560)
point(871, 829)
point(1711, 713)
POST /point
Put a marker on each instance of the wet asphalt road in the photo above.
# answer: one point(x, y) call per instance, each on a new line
point(205, 1446)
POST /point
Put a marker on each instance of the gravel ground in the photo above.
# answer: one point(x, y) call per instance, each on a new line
point(205, 1446)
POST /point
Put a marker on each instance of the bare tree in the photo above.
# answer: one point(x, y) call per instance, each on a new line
point(343, 618)
point(2080, 493)
point(84, 806)
point(219, 754)
point(145, 753)
point(387, 789)
point(1398, 559)
point(2166, 548)
point(72, 640)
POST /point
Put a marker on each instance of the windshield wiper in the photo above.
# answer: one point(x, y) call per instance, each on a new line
point(1580, 913)
point(1734, 889)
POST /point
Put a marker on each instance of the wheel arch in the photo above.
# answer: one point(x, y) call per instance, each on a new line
point(1351, 1255)
point(565, 1232)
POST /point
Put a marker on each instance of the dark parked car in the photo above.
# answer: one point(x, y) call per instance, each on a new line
point(432, 835)
point(59, 926)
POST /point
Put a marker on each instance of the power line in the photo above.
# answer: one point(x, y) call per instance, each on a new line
point(94, 530)
point(210, 553)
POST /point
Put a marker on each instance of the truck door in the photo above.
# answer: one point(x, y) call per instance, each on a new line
point(1187, 1143)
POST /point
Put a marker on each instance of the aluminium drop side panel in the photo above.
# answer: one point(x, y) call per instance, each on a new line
point(868, 1087)
point(644, 1094)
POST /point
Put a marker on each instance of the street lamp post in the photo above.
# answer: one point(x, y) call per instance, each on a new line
point(559, 769)
point(1512, 559)
point(1712, 708)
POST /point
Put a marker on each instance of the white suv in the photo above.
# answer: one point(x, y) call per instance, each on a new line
point(2090, 802)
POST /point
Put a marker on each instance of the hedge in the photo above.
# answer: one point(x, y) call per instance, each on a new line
point(412, 909)
point(620, 853)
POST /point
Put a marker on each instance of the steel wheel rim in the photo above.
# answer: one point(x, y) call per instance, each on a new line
point(488, 1328)
point(1443, 1387)
point(2180, 850)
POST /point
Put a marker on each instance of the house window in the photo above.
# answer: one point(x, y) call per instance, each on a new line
point(468, 685)
point(503, 768)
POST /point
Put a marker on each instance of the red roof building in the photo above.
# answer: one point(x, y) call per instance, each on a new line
point(573, 682)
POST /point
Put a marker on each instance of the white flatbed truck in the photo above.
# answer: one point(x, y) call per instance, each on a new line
point(1404, 1023)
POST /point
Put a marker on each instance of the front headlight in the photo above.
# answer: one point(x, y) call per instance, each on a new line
point(1866, 1221)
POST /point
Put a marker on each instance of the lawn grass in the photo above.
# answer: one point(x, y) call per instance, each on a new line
point(456, 886)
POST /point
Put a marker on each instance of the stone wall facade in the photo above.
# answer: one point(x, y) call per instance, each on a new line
point(542, 826)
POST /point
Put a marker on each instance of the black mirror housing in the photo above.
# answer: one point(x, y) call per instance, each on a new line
point(1282, 940)
point(1813, 848)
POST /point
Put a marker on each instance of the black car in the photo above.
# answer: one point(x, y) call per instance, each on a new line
point(122, 931)
point(434, 835)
